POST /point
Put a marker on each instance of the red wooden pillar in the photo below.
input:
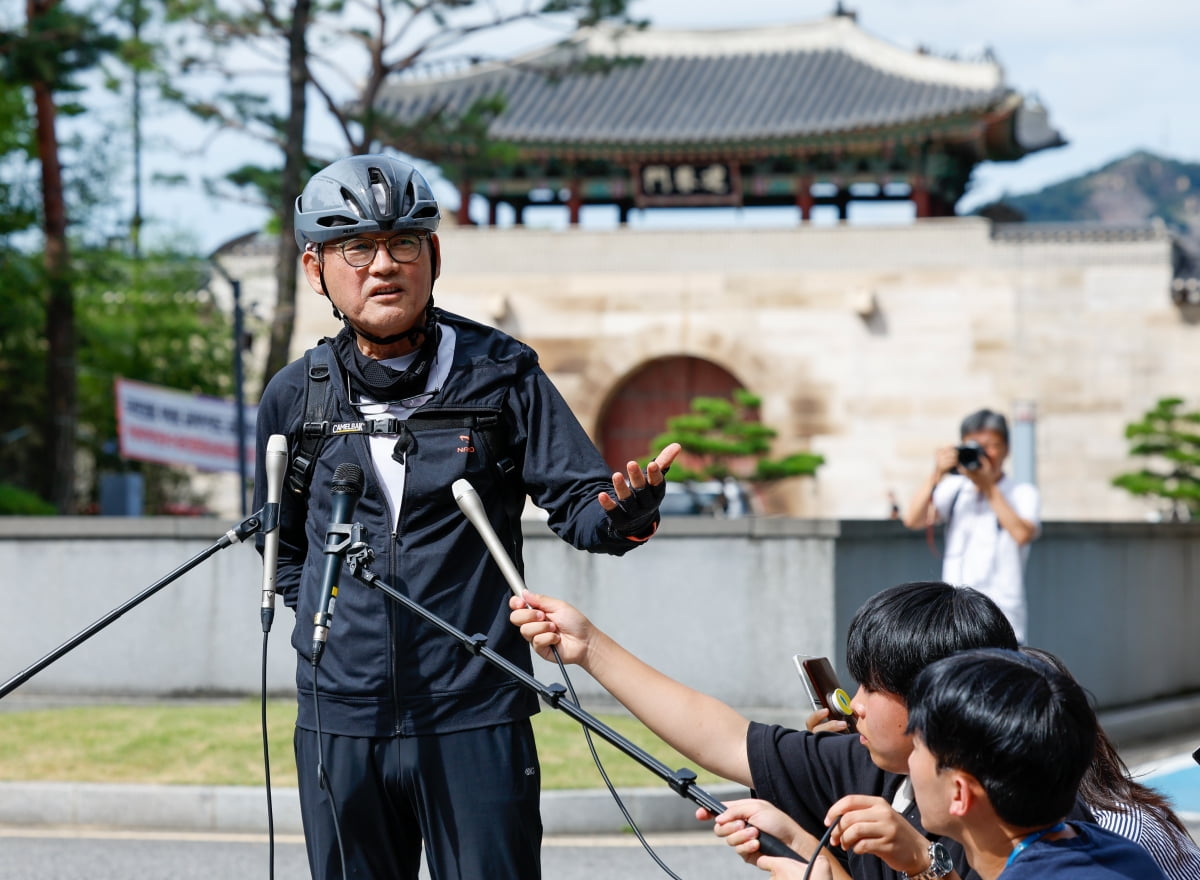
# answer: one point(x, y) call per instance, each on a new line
point(492, 212)
point(804, 198)
point(464, 202)
point(574, 202)
point(921, 197)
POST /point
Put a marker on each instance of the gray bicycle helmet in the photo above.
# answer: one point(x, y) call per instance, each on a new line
point(360, 194)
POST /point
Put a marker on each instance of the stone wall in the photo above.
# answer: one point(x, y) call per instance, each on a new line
point(868, 345)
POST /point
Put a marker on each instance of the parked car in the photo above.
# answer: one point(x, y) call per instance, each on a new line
point(706, 498)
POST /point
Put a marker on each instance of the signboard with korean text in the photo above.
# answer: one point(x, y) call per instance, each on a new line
point(680, 184)
point(173, 427)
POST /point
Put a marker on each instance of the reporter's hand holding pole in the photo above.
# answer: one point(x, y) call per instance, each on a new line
point(701, 728)
point(739, 826)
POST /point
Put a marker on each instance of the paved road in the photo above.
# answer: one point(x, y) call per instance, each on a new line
point(75, 854)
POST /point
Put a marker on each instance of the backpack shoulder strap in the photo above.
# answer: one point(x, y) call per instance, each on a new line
point(950, 509)
point(319, 368)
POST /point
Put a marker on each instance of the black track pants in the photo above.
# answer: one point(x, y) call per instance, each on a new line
point(472, 796)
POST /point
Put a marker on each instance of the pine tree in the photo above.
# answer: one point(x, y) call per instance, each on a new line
point(723, 438)
point(1168, 438)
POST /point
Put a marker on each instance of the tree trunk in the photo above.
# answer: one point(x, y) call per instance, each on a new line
point(59, 480)
point(284, 322)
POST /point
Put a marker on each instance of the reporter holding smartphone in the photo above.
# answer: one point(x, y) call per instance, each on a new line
point(990, 519)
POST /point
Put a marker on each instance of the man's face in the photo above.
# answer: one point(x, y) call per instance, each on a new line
point(384, 297)
point(993, 444)
point(932, 787)
point(882, 719)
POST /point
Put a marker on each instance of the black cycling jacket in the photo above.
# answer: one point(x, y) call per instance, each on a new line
point(384, 671)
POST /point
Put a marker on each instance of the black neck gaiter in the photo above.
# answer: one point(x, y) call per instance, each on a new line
point(370, 378)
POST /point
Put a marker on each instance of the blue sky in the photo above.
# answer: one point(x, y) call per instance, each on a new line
point(1115, 76)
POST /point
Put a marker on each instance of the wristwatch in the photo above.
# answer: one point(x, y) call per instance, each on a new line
point(940, 864)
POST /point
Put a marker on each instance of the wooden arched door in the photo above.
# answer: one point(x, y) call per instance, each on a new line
point(638, 410)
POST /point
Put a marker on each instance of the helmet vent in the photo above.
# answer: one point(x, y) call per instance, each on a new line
point(380, 192)
point(351, 203)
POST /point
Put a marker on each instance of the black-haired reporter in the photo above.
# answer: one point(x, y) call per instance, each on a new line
point(1121, 804)
point(1001, 741)
point(990, 518)
point(803, 780)
point(423, 746)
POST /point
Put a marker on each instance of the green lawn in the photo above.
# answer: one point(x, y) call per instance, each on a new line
point(220, 743)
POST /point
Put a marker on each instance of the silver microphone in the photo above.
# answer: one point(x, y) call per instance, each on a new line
point(275, 463)
point(472, 507)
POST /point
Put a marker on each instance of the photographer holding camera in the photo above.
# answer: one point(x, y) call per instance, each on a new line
point(990, 519)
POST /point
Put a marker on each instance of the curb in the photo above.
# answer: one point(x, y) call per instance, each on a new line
point(243, 810)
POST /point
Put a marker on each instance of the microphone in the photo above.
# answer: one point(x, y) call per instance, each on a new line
point(275, 464)
point(471, 506)
point(347, 487)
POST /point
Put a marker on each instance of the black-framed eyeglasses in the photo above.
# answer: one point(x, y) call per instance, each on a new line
point(403, 247)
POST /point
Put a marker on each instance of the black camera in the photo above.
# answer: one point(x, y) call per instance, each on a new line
point(969, 455)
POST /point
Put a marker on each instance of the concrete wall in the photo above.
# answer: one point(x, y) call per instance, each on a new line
point(1118, 602)
point(721, 605)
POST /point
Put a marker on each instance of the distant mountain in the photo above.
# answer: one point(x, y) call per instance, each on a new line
point(1129, 191)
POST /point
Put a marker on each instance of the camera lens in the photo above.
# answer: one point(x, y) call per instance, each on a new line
point(968, 456)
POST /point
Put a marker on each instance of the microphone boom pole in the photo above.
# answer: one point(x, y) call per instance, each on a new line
point(243, 530)
point(682, 781)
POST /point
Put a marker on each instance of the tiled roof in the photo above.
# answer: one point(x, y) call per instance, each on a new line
point(1058, 233)
point(695, 87)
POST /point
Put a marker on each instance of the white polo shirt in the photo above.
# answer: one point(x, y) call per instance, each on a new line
point(979, 552)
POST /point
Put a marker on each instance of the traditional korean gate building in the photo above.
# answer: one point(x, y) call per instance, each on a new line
point(867, 343)
point(804, 115)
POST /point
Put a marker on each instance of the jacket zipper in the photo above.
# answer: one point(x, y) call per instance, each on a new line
point(393, 572)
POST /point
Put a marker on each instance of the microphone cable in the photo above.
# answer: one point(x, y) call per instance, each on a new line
point(274, 464)
point(604, 775)
point(823, 843)
point(267, 765)
point(322, 779)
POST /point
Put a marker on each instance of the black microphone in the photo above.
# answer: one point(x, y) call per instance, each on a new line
point(470, 504)
point(347, 487)
point(275, 463)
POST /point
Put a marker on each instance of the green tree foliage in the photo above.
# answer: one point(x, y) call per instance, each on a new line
point(342, 54)
point(723, 437)
point(148, 319)
point(23, 353)
point(1168, 438)
point(46, 57)
point(22, 344)
point(15, 501)
point(18, 180)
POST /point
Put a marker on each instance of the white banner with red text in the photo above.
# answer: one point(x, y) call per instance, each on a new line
point(174, 427)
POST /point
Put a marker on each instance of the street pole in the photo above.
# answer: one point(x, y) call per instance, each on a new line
point(239, 393)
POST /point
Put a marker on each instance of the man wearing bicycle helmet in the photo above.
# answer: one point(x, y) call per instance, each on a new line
point(404, 740)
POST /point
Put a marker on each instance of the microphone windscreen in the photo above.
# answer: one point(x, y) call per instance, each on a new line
point(347, 479)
